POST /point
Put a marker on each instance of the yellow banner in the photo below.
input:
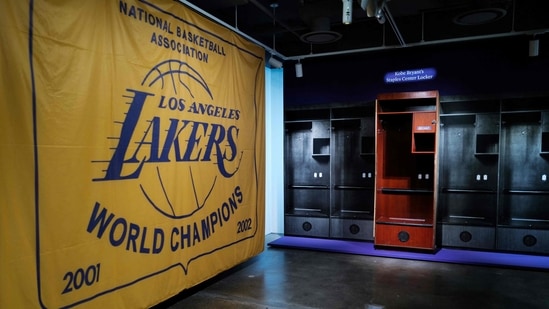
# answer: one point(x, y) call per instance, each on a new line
point(132, 152)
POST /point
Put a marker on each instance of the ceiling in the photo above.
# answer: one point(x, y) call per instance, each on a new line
point(298, 29)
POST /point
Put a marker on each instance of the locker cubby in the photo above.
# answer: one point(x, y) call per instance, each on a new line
point(524, 222)
point(301, 166)
point(367, 134)
point(321, 138)
point(525, 209)
point(352, 112)
point(423, 139)
point(307, 201)
point(424, 142)
point(469, 107)
point(351, 170)
point(307, 173)
point(405, 200)
point(469, 146)
point(353, 202)
point(487, 134)
point(524, 104)
point(352, 173)
point(415, 102)
point(496, 198)
point(368, 146)
point(329, 172)
point(545, 121)
point(524, 185)
point(487, 144)
point(308, 114)
point(544, 149)
point(321, 146)
point(468, 207)
point(468, 178)
point(544, 143)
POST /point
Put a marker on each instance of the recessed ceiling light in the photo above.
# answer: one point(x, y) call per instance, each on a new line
point(320, 32)
point(321, 37)
point(479, 16)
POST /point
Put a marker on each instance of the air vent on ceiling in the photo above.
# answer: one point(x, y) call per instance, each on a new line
point(320, 32)
point(479, 16)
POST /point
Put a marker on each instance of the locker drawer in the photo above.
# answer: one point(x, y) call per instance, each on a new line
point(523, 240)
point(307, 226)
point(351, 229)
point(479, 237)
point(418, 237)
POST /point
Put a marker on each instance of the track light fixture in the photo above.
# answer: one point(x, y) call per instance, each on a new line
point(298, 69)
point(380, 10)
point(533, 48)
point(374, 8)
point(274, 63)
point(380, 18)
point(347, 17)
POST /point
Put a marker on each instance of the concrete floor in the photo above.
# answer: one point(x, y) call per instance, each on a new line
point(291, 278)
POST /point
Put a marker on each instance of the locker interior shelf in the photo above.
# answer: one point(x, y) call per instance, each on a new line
point(405, 191)
point(454, 190)
point(404, 221)
point(344, 187)
point(522, 191)
point(308, 187)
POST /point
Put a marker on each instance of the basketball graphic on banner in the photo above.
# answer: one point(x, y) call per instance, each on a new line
point(183, 86)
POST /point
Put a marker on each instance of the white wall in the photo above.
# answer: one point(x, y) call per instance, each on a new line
point(274, 161)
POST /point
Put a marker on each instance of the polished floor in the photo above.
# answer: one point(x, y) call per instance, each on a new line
point(298, 279)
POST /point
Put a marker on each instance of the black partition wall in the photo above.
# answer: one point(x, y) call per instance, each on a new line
point(493, 148)
point(493, 172)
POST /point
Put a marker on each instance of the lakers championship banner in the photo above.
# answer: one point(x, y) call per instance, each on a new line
point(132, 152)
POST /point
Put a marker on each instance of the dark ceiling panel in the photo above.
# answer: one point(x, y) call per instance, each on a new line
point(284, 26)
